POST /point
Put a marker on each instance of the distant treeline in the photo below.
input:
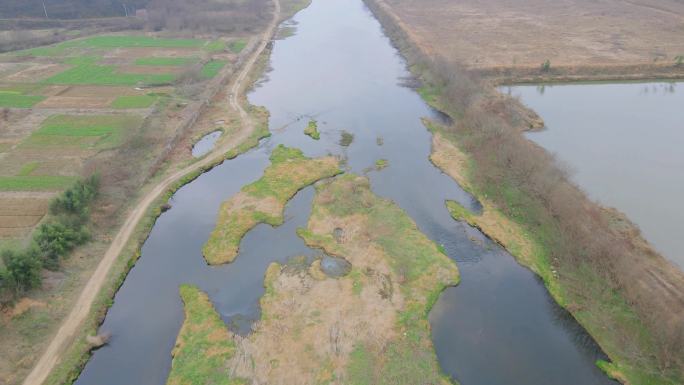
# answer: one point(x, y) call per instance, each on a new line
point(64, 229)
point(208, 15)
point(68, 9)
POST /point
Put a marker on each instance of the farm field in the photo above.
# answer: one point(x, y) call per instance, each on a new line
point(92, 105)
point(64, 105)
point(495, 34)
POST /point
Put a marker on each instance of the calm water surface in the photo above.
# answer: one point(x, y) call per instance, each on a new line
point(206, 143)
point(624, 144)
point(498, 326)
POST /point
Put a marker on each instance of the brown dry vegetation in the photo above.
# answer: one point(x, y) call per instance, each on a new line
point(368, 327)
point(580, 38)
point(627, 296)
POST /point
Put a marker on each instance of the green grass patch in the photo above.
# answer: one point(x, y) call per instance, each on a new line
point(165, 61)
point(215, 46)
point(65, 129)
point(85, 71)
point(212, 68)
point(236, 46)
point(259, 202)
point(381, 163)
point(35, 183)
point(130, 41)
point(361, 366)
point(134, 101)
point(48, 51)
point(203, 345)
point(18, 100)
point(28, 168)
point(312, 130)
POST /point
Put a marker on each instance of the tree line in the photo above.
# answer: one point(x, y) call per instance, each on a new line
point(69, 9)
point(63, 230)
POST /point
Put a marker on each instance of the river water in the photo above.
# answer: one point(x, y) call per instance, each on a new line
point(499, 326)
point(623, 143)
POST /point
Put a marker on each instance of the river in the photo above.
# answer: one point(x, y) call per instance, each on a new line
point(499, 326)
point(623, 144)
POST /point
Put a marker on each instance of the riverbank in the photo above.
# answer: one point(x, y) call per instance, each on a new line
point(69, 351)
point(581, 73)
point(628, 298)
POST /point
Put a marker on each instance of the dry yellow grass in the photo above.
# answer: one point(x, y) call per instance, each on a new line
point(498, 33)
point(377, 331)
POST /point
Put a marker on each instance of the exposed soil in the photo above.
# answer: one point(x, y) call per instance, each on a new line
point(37, 72)
point(20, 213)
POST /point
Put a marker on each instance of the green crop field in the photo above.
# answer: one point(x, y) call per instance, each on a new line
point(89, 73)
point(28, 168)
point(212, 68)
point(134, 101)
point(133, 41)
point(215, 46)
point(18, 100)
point(165, 61)
point(65, 129)
point(237, 46)
point(34, 183)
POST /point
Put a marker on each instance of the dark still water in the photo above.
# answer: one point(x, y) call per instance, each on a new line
point(498, 326)
point(624, 144)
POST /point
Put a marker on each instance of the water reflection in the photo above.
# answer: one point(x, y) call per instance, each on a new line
point(624, 143)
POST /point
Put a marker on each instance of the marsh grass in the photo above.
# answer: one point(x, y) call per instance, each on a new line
point(264, 200)
point(203, 346)
point(419, 268)
point(312, 130)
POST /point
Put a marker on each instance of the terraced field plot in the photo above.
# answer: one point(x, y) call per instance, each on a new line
point(100, 131)
point(90, 81)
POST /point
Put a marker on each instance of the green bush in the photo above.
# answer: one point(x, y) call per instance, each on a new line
point(546, 66)
point(76, 199)
point(22, 269)
point(56, 239)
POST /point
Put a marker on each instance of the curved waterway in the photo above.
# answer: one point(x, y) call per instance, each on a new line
point(499, 326)
point(624, 145)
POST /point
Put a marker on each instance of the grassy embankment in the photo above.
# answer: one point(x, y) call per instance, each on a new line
point(264, 200)
point(312, 130)
point(78, 353)
point(601, 274)
point(377, 332)
point(203, 345)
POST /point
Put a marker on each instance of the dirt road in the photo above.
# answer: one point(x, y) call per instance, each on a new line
point(73, 322)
